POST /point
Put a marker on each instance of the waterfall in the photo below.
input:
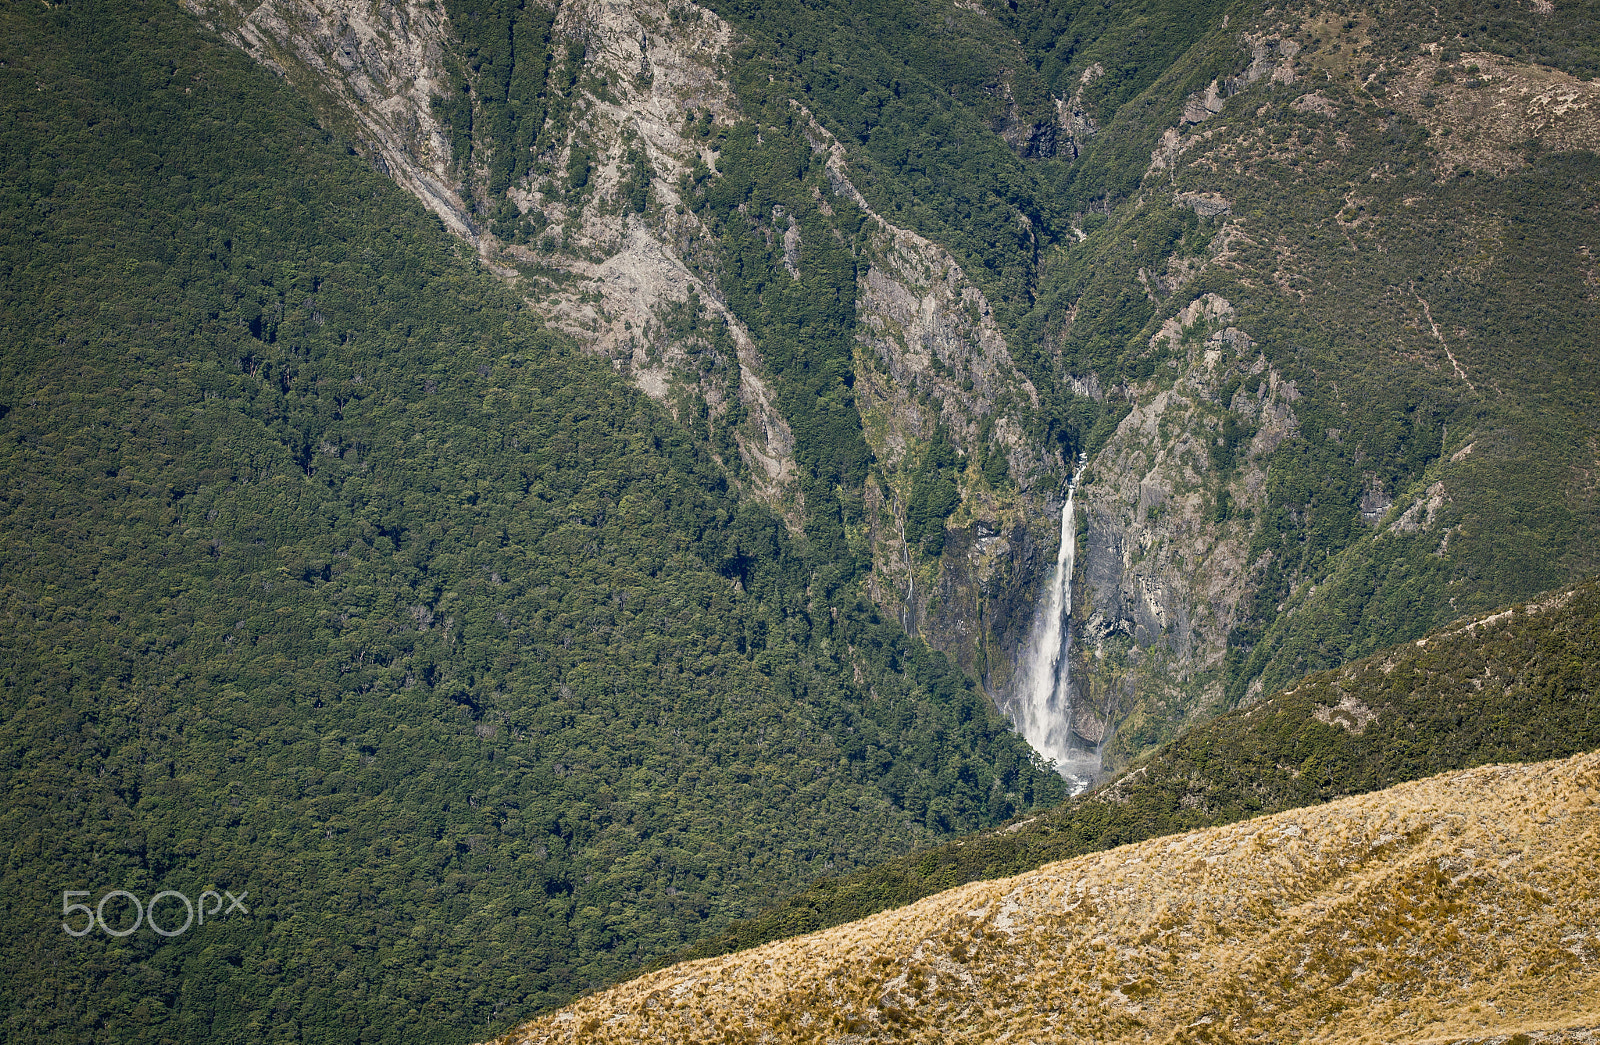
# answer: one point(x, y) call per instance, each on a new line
point(1041, 704)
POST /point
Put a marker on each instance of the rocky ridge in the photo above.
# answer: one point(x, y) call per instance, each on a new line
point(374, 67)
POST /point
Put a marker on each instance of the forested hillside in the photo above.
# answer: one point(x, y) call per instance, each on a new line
point(332, 577)
point(1333, 454)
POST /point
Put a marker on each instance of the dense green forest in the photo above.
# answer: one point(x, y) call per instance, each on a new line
point(331, 577)
point(805, 326)
point(1523, 686)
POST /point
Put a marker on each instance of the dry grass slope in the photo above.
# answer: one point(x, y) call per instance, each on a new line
point(1463, 907)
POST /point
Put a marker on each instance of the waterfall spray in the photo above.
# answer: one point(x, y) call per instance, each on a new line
point(1042, 705)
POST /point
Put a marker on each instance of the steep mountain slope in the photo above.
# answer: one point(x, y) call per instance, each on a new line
point(1522, 684)
point(643, 175)
point(623, 117)
point(1460, 908)
point(1219, 247)
point(330, 575)
point(1345, 350)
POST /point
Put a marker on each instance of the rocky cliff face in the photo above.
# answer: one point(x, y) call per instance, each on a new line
point(931, 358)
point(612, 278)
point(1167, 509)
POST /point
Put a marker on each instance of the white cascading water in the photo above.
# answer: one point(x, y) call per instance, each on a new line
point(1042, 704)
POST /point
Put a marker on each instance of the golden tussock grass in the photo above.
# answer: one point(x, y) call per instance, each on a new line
point(1465, 907)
